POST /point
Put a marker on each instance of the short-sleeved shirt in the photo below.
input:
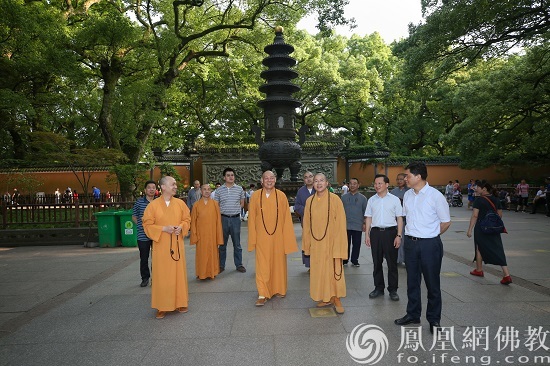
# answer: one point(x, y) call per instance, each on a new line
point(229, 199)
point(137, 211)
point(523, 190)
point(484, 206)
point(345, 190)
point(384, 210)
point(399, 193)
point(355, 206)
point(425, 212)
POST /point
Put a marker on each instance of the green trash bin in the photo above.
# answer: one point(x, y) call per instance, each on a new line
point(107, 227)
point(128, 228)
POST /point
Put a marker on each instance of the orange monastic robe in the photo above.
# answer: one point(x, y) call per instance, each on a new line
point(271, 250)
point(206, 233)
point(169, 286)
point(326, 274)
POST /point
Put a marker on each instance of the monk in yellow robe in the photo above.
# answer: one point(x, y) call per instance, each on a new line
point(206, 234)
point(166, 221)
point(324, 238)
point(271, 234)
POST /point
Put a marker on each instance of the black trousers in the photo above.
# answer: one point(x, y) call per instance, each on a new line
point(423, 258)
point(540, 202)
point(144, 249)
point(382, 247)
point(354, 243)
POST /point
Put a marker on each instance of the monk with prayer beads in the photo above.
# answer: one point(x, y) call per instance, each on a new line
point(325, 239)
point(271, 235)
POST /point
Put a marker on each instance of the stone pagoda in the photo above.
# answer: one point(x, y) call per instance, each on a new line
point(279, 149)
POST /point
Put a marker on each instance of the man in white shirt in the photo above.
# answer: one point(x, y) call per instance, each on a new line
point(345, 188)
point(539, 200)
point(428, 217)
point(384, 228)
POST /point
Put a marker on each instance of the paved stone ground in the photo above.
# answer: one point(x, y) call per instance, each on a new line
point(69, 305)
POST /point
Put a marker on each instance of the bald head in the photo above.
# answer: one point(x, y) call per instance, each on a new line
point(268, 180)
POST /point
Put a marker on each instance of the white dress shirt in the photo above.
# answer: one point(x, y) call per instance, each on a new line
point(384, 210)
point(425, 212)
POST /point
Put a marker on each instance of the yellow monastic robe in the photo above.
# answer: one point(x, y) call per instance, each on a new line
point(206, 233)
point(169, 286)
point(326, 274)
point(271, 250)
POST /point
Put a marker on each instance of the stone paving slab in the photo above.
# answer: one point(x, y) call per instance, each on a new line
point(83, 306)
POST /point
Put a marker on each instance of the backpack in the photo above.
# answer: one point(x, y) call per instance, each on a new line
point(492, 223)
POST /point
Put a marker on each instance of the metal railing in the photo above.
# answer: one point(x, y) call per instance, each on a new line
point(75, 214)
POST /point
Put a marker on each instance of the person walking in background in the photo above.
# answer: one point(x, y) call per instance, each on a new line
point(384, 230)
point(15, 197)
point(96, 193)
point(428, 217)
point(355, 205)
point(166, 221)
point(230, 197)
point(144, 243)
point(248, 194)
point(271, 235)
point(324, 238)
point(206, 234)
point(299, 206)
point(547, 196)
point(448, 192)
point(488, 247)
point(345, 188)
point(471, 193)
point(194, 194)
point(399, 192)
point(522, 192)
point(213, 195)
point(57, 195)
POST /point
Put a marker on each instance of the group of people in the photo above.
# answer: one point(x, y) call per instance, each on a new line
point(332, 227)
point(12, 199)
point(518, 196)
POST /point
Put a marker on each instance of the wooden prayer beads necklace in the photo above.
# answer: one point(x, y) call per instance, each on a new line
point(310, 215)
point(262, 211)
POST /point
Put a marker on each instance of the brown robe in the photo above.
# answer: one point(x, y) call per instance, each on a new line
point(327, 274)
point(271, 250)
point(169, 285)
point(206, 234)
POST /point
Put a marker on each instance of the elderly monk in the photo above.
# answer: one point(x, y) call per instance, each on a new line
point(166, 221)
point(271, 234)
point(206, 234)
point(325, 239)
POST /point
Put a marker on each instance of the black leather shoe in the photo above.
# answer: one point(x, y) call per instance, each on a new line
point(376, 293)
point(241, 269)
point(394, 296)
point(406, 320)
point(144, 283)
point(434, 325)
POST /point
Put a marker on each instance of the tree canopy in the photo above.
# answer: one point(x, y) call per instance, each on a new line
point(126, 77)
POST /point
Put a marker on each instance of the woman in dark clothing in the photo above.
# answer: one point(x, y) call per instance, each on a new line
point(488, 247)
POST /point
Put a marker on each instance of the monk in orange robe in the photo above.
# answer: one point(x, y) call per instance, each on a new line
point(271, 234)
point(166, 221)
point(324, 238)
point(206, 234)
